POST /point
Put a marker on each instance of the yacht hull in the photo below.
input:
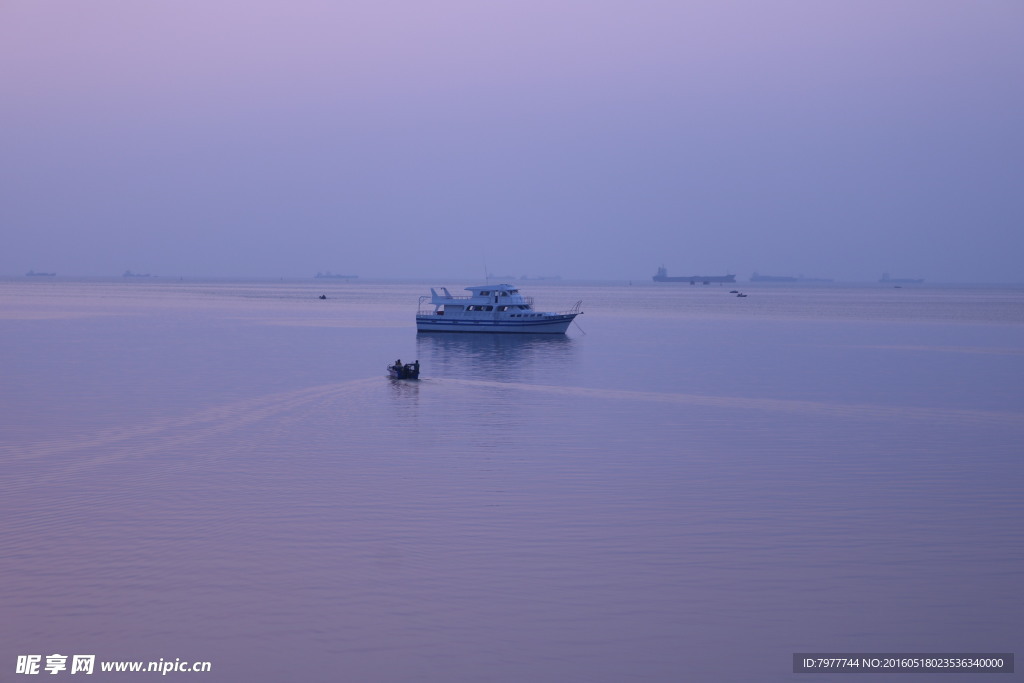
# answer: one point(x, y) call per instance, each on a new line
point(553, 324)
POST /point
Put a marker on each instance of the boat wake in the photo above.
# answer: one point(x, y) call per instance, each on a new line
point(177, 434)
point(239, 427)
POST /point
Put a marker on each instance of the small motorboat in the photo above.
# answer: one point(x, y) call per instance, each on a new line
point(406, 371)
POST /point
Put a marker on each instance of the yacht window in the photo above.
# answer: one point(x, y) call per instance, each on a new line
point(484, 293)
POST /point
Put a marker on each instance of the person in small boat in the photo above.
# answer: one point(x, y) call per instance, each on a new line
point(416, 367)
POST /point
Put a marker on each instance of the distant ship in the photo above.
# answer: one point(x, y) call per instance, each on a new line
point(757, 277)
point(331, 275)
point(901, 280)
point(33, 273)
point(662, 276)
point(129, 273)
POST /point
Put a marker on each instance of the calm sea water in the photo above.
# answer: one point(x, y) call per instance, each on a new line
point(688, 486)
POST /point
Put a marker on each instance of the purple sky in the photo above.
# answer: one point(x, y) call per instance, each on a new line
point(589, 139)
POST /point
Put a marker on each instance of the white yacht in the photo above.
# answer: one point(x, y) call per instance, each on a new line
point(489, 308)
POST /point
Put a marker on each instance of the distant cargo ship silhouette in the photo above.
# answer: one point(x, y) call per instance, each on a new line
point(757, 277)
point(901, 280)
point(332, 276)
point(663, 276)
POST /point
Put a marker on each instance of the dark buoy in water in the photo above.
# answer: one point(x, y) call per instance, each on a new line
point(323, 296)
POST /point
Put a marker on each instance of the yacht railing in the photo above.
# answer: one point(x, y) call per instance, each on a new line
point(575, 310)
point(519, 299)
point(428, 301)
point(426, 308)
